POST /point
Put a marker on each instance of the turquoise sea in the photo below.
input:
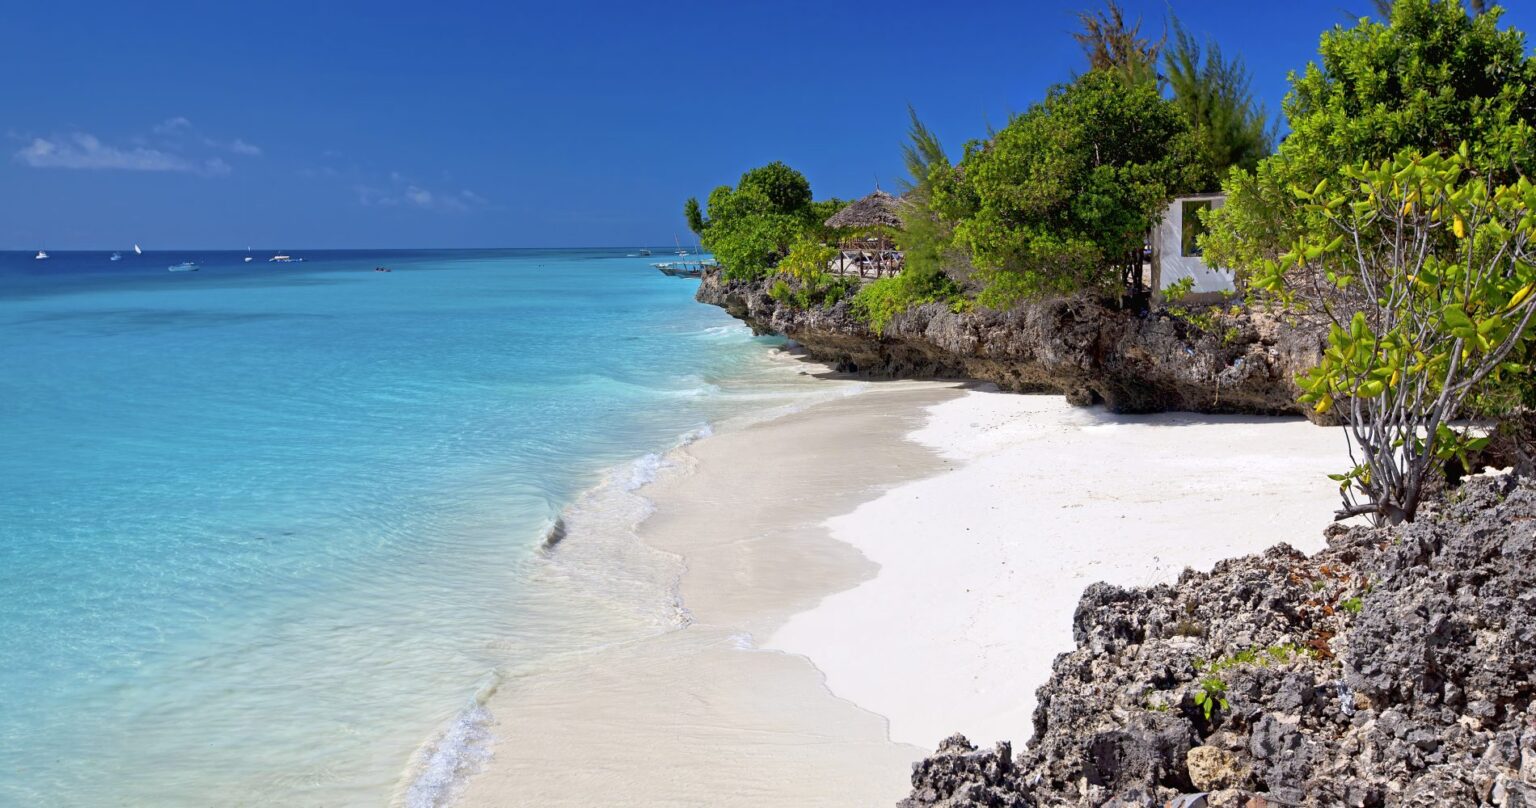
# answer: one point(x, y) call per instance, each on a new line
point(269, 532)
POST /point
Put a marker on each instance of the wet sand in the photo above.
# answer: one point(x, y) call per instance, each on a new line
point(702, 715)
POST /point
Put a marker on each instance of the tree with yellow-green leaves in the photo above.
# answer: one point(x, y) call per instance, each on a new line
point(1426, 270)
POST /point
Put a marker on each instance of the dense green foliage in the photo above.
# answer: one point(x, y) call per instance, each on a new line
point(1433, 271)
point(879, 301)
point(1063, 193)
point(751, 227)
point(803, 280)
point(1431, 79)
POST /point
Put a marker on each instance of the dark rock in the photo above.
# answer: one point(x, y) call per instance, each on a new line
point(1423, 695)
point(1080, 348)
point(959, 775)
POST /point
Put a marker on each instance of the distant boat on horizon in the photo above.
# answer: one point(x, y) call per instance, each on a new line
point(117, 256)
point(284, 259)
point(644, 251)
point(184, 266)
point(137, 251)
point(41, 255)
point(248, 257)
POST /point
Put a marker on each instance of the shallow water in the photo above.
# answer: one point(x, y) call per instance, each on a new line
point(270, 533)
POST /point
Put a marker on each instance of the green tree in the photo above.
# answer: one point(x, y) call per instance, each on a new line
point(1113, 45)
point(1060, 198)
point(1430, 79)
point(1436, 264)
point(1215, 93)
point(926, 240)
point(694, 216)
point(751, 227)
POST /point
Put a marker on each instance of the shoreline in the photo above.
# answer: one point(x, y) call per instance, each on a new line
point(793, 534)
point(697, 713)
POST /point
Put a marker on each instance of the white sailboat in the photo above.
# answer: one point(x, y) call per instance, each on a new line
point(248, 257)
point(137, 251)
point(41, 255)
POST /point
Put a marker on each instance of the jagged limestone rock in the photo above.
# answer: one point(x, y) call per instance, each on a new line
point(1081, 348)
point(1397, 667)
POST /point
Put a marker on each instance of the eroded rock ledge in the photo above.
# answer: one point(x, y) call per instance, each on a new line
point(1078, 347)
point(1395, 668)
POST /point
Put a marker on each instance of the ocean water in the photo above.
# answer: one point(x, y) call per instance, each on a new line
point(270, 533)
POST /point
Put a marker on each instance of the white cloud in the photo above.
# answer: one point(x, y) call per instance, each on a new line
point(407, 194)
point(239, 146)
point(84, 151)
point(171, 126)
point(419, 197)
point(176, 146)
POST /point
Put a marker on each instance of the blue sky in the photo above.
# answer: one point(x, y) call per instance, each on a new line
point(390, 124)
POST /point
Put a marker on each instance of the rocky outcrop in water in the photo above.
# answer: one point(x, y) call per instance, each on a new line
point(1078, 347)
point(1395, 668)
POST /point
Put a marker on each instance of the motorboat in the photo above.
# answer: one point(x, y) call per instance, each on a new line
point(41, 255)
point(116, 257)
point(184, 266)
point(284, 259)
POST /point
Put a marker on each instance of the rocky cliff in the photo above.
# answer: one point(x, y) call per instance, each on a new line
point(1395, 668)
point(1081, 348)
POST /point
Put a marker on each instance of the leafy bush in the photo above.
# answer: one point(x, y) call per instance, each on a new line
point(804, 280)
point(879, 301)
point(1431, 280)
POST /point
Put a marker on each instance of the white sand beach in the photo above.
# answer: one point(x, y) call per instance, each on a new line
point(981, 567)
point(877, 572)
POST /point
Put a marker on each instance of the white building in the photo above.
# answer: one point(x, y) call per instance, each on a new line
point(1176, 255)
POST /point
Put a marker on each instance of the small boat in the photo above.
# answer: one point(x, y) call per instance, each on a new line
point(184, 266)
point(117, 256)
point(42, 255)
point(137, 251)
point(645, 252)
point(248, 257)
point(284, 259)
point(381, 269)
point(681, 269)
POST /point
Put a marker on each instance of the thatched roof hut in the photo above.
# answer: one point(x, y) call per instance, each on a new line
point(879, 209)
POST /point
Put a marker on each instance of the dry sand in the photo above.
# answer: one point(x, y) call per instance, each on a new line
point(981, 568)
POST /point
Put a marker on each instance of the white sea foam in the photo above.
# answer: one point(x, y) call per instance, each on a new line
point(443, 766)
point(643, 471)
